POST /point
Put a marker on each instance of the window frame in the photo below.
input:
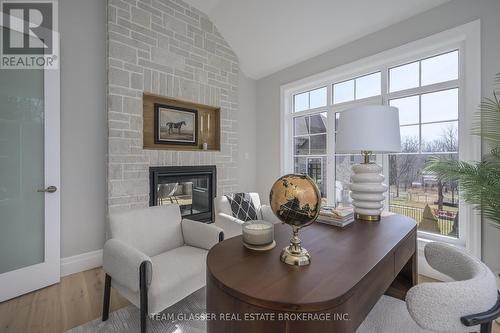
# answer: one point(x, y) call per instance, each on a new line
point(465, 39)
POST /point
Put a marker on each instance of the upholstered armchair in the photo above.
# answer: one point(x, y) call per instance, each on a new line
point(468, 304)
point(155, 258)
point(232, 225)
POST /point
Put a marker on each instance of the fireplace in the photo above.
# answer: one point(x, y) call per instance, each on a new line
point(193, 188)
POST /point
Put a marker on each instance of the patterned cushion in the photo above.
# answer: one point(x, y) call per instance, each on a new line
point(242, 206)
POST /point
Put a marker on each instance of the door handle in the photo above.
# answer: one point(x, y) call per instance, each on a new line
point(50, 189)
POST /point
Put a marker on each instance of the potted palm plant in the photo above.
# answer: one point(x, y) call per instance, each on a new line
point(479, 181)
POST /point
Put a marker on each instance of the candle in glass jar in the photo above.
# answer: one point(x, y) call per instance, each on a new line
point(258, 233)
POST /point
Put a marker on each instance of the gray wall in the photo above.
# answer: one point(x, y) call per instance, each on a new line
point(83, 125)
point(438, 19)
point(247, 131)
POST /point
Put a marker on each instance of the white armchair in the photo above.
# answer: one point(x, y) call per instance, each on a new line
point(155, 258)
point(231, 225)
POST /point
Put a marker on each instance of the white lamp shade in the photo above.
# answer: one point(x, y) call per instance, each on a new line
point(372, 128)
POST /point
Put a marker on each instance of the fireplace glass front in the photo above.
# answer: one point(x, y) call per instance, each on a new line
point(191, 189)
point(192, 194)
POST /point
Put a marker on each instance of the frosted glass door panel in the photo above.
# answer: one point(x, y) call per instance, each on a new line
point(21, 168)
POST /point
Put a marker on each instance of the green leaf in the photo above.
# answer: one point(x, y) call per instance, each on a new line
point(487, 121)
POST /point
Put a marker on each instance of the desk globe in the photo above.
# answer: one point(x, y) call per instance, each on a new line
point(296, 201)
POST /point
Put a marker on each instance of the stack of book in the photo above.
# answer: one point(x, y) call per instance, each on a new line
point(339, 216)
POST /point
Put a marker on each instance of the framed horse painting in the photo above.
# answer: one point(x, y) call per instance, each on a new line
point(175, 125)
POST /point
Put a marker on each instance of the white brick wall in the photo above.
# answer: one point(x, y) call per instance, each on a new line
point(168, 48)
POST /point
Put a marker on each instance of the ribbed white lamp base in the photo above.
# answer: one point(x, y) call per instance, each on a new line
point(367, 191)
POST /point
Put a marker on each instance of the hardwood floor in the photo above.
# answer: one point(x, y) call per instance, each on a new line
point(76, 300)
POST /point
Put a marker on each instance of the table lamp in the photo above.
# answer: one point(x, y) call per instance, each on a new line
point(369, 129)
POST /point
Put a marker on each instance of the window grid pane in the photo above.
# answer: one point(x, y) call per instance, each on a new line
point(440, 137)
point(301, 102)
point(410, 139)
point(404, 77)
point(409, 109)
point(421, 196)
point(317, 98)
point(301, 145)
point(368, 86)
point(439, 106)
point(310, 140)
point(440, 68)
point(310, 99)
point(301, 125)
point(318, 123)
point(343, 92)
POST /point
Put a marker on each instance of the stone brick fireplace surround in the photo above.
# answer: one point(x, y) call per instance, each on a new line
point(168, 48)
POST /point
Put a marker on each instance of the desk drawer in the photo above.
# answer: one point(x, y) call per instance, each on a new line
point(404, 252)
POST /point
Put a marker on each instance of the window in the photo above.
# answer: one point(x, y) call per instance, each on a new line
point(424, 80)
point(357, 88)
point(429, 127)
point(439, 69)
point(310, 146)
point(424, 72)
point(404, 77)
point(309, 100)
point(429, 121)
point(343, 92)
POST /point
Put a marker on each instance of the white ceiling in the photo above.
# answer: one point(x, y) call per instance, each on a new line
point(269, 35)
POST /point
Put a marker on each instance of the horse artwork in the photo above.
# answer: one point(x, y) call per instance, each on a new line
point(175, 125)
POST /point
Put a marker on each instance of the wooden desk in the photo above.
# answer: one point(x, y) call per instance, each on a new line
point(351, 268)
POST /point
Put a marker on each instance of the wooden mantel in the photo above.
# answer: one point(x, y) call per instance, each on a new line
point(204, 111)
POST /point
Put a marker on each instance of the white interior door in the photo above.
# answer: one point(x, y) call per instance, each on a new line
point(29, 180)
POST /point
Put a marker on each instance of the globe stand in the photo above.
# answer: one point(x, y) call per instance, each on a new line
point(294, 254)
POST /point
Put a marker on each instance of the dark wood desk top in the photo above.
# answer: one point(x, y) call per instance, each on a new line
point(340, 258)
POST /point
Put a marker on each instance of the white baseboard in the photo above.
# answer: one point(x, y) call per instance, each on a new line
point(81, 262)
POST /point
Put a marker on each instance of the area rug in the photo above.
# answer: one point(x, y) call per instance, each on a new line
point(175, 319)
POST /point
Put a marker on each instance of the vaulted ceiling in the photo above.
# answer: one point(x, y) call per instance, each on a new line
point(270, 35)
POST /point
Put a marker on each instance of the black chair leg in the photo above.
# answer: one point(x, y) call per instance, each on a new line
point(486, 327)
point(107, 296)
point(143, 296)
